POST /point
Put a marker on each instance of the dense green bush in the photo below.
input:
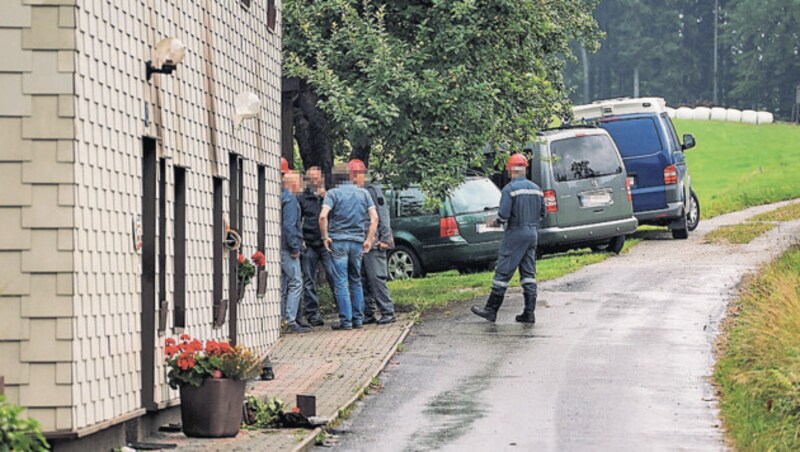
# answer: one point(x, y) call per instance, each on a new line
point(17, 434)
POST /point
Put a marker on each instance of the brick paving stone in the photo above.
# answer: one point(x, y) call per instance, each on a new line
point(334, 366)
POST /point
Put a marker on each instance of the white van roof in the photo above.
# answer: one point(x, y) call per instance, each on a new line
point(611, 107)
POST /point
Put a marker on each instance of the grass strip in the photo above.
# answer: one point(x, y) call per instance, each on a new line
point(737, 234)
point(758, 372)
point(441, 289)
point(785, 213)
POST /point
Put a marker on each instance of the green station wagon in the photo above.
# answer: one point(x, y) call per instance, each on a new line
point(587, 192)
point(451, 237)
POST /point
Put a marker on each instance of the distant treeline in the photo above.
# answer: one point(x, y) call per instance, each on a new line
point(666, 48)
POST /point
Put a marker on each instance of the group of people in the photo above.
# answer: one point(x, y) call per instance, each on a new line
point(348, 230)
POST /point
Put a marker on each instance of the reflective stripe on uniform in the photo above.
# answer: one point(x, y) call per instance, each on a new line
point(499, 283)
point(527, 281)
point(526, 191)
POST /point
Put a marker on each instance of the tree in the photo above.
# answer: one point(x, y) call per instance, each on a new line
point(763, 38)
point(419, 87)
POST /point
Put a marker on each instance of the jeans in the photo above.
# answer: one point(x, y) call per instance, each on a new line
point(347, 281)
point(291, 286)
point(310, 260)
point(375, 290)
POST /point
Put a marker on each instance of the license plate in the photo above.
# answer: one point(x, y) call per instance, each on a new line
point(596, 199)
point(483, 228)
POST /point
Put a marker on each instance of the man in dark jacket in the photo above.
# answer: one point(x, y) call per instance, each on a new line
point(374, 271)
point(314, 251)
point(291, 243)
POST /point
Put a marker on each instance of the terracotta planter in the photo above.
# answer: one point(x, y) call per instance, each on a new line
point(213, 410)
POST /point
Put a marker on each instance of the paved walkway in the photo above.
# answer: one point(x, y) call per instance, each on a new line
point(334, 366)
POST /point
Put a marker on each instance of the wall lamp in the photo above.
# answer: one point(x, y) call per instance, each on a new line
point(169, 53)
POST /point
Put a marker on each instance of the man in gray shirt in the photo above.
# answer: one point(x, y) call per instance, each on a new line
point(346, 211)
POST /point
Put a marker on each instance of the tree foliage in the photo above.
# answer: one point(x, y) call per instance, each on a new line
point(419, 87)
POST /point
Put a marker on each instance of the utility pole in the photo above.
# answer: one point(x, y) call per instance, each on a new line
point(716, 53)
point(636, 82)
point(585, 59)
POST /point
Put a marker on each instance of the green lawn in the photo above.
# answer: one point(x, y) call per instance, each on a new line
point(758, 373)
point(736, 166)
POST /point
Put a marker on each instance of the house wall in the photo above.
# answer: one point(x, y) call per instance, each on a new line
point(37, 235)
point(76, 106)
point(228, 50)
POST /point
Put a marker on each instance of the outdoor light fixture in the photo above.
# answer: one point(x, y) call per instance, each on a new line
point(169, 53)
point(246, 106)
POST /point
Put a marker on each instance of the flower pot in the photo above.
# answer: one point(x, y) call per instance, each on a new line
point(214, 409)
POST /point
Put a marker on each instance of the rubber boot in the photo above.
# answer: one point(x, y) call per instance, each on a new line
point(489, 312)
point(528, 315)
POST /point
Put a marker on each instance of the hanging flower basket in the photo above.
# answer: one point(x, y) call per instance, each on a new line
point(212, 381)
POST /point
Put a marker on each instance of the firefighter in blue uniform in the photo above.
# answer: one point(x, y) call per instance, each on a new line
point(521, 209)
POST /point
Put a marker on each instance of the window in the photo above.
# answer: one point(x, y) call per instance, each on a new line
point(636, 137)
point(475, 195)
point(162, 245)
point(262, 207)
point(235, 207)
point(272, 15)
point(219, 228)
point(584, 157)
point(411, 202)
point(179, 246)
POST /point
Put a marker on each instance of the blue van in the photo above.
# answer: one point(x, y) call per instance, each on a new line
point(654, 159)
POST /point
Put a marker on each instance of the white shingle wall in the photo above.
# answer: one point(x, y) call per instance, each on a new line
point(114, 39)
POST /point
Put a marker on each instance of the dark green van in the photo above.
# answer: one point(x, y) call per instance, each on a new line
point(586, 190)
point(449, 238)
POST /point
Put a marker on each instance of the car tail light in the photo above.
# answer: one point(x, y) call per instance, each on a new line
point(448, 227)
point(628, 185)
point(670, 175)
point(550, 202)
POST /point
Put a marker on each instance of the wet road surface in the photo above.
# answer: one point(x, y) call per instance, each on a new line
point(620, 359)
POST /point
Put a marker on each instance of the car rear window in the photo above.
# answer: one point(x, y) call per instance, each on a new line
point(584, 157)
point(475, 195)
point(635, 137)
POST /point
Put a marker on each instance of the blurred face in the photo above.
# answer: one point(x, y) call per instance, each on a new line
point(518, 171)
point(315, 178)
point(291, 181)
point(358, 178)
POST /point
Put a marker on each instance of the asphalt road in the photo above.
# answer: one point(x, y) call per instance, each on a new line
point(620, 359)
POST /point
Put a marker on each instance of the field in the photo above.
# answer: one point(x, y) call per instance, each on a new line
point(736, 166)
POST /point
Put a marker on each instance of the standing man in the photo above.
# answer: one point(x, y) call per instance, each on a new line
point(521, 208)
point(291, 241)
point(314, 250)
point(374, 271)
point(342, 222)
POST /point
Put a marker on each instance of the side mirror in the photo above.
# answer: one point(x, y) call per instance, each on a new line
point(688, 141)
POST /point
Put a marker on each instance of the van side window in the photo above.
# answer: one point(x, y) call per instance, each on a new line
point(675, 145)
point(410, 203)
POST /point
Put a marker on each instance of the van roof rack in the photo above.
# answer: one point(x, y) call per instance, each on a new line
point(567, 126)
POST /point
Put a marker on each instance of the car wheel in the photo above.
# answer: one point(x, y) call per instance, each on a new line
point(693, 214)
point(616, 244)
point(600, 247)
point(680, 233)
point(403, 264)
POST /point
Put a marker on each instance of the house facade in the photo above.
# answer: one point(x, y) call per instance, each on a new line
point(118, 190)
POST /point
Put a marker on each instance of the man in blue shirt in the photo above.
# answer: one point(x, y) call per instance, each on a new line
point(521, 209)
point(291, 243)
point(343, 224)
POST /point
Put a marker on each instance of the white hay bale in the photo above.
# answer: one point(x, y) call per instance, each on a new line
point(701, 113)
point(670, 112)
point(718, 114)
point(750, 116)
point(733, 115)
point(764, 117)
point(684, 113)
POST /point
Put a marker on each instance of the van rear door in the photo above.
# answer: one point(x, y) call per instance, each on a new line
point(589, 180)
point(643, 151)
point(471, 202)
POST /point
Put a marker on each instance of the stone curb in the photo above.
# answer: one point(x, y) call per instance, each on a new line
point(309, 441)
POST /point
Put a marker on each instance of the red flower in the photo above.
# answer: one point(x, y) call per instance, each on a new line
point(259, 259)
point(217, 374)
point(212, 348)
point(194, 346)
point(224, 347)
point(171, 351)
point(186, 361)
point(185, 337)
point(169, 342)
point(241, 259)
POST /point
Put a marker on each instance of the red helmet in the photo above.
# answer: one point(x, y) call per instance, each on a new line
point(517, 160)
point(356, 166)
point(284, 165)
